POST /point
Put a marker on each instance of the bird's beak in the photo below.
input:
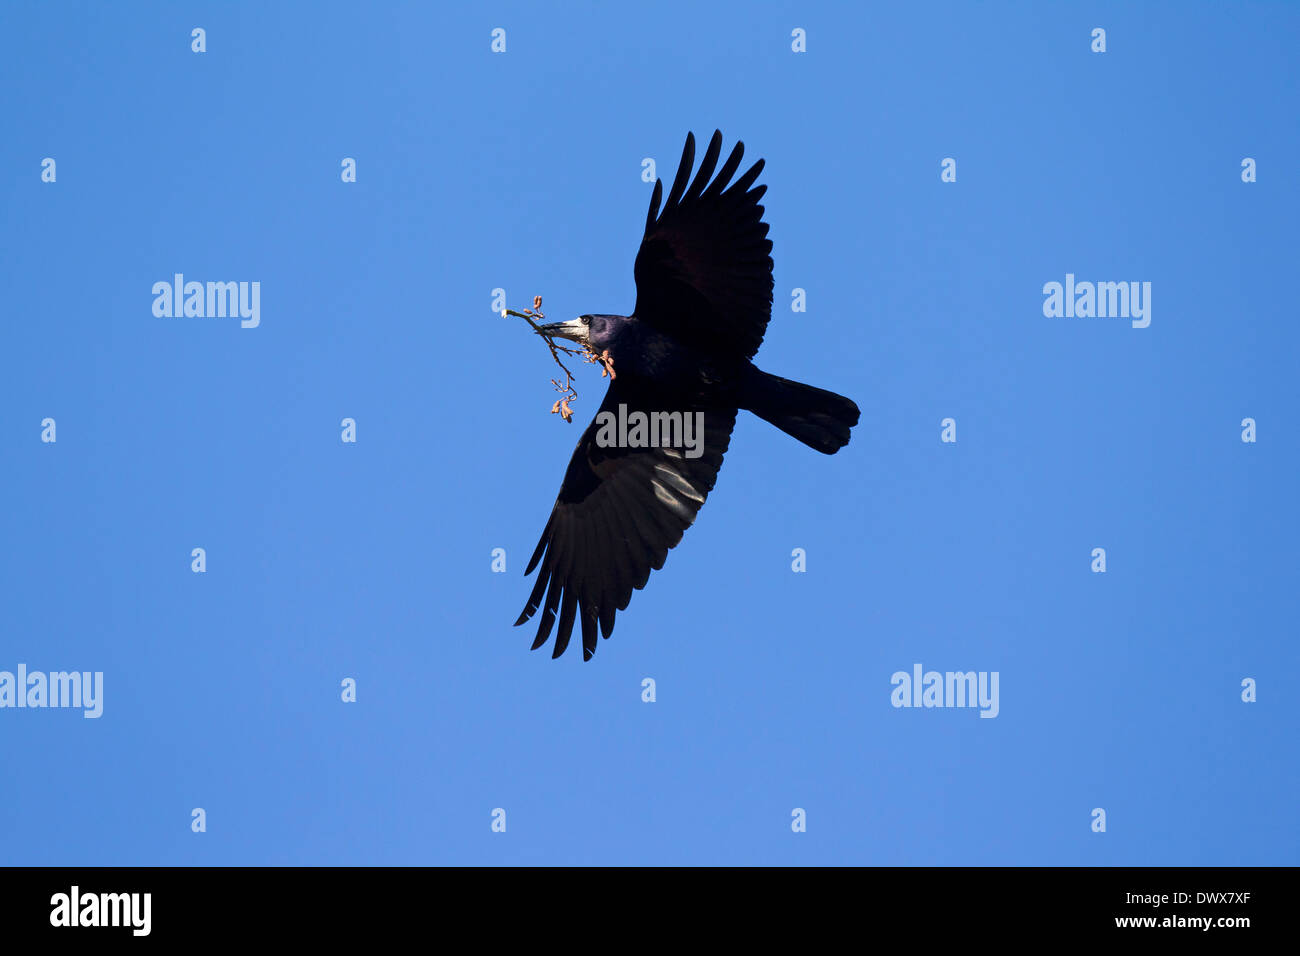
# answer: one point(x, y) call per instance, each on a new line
point(574, 331)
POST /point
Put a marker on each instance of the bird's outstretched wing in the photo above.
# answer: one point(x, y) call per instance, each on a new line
point(618, 513)
point(704, 269)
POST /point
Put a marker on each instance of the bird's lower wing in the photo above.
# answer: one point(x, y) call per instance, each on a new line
point(619, 512)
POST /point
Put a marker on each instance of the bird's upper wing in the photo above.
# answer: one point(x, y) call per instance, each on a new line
point(704, 269)
point(618, 513)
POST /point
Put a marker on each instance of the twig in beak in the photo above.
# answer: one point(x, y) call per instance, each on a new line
point(568, 392)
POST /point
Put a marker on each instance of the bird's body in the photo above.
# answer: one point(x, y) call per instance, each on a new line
point(639, 351)
point(704, 296)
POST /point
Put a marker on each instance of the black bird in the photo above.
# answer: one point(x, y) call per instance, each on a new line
point(703, 300)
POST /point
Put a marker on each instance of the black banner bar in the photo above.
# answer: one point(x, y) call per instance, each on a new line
point(90, 905)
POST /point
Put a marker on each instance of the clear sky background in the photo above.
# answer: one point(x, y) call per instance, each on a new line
point(522, 171)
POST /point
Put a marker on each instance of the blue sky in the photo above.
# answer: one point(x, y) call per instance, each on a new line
point(522, 170)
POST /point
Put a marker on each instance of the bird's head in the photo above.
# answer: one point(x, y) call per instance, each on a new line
point(594, 331)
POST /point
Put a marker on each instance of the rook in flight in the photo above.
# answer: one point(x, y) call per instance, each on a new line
point(703, 300)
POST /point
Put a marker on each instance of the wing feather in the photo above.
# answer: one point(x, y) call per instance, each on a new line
point(704, 268)
point(618, 514)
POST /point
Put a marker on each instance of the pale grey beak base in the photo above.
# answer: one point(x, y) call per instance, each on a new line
point(575, 331)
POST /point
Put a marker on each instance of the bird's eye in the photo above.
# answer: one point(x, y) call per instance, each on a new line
point(585, 320)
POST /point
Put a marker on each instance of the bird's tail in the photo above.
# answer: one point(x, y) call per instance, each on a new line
point(818, 418)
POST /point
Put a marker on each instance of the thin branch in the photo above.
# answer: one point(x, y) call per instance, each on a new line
point(567, 392)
